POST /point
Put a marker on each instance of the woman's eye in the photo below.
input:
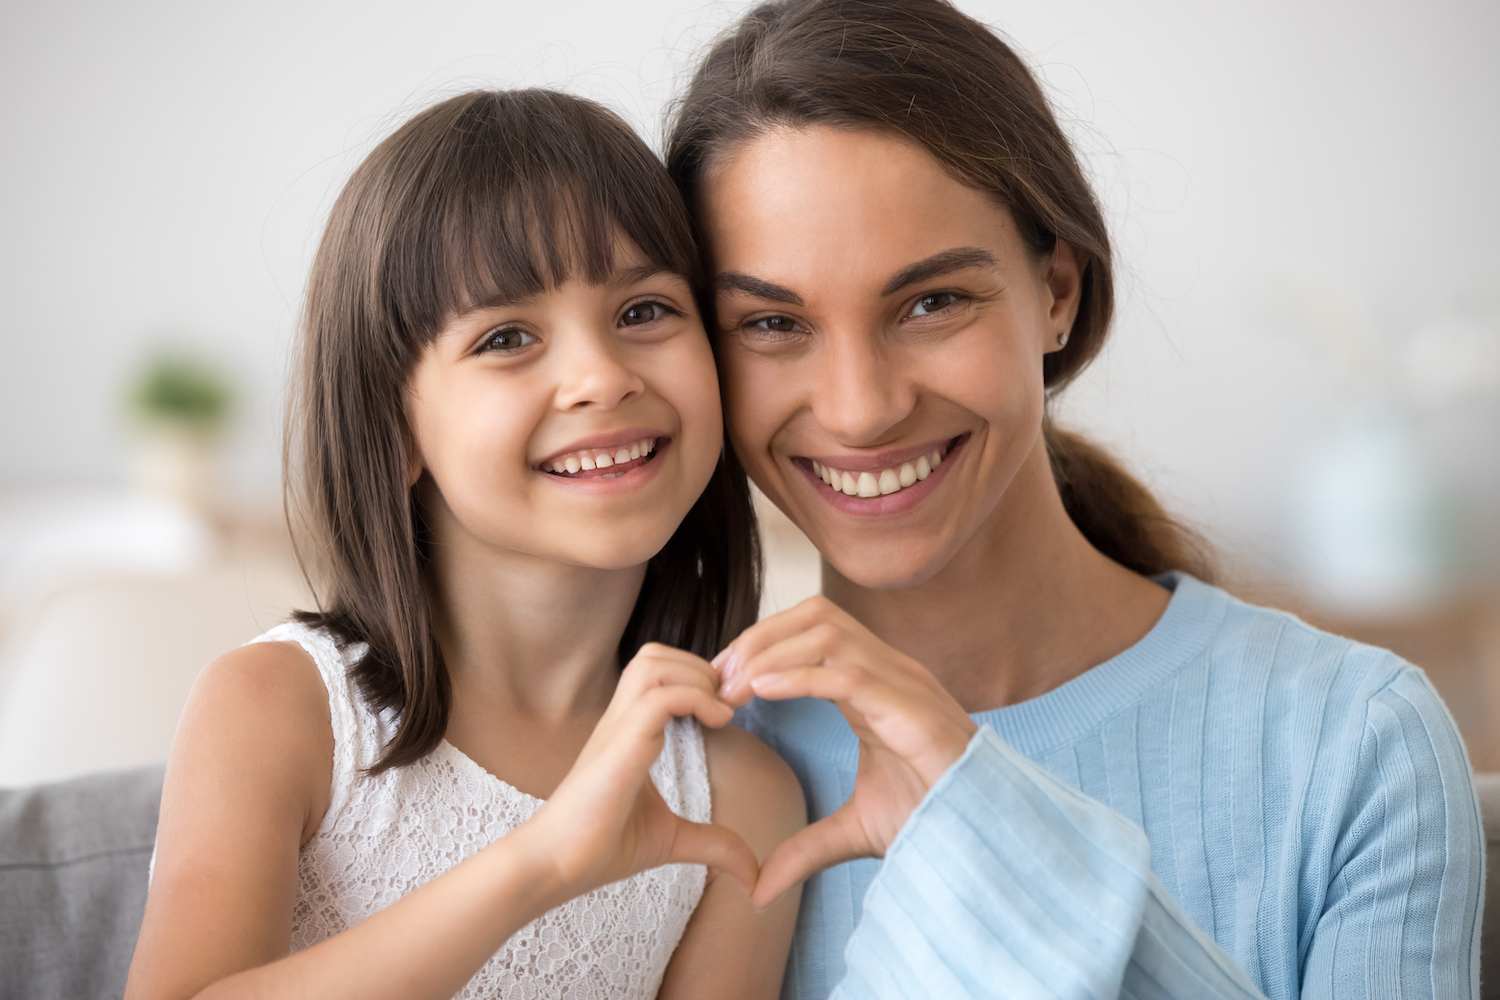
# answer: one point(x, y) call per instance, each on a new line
point(776, 324)
point(506, 339)
point(927, 305)
point(642, 313)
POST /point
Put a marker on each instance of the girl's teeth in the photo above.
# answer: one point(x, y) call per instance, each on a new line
point(882, 483)
point(587, 462)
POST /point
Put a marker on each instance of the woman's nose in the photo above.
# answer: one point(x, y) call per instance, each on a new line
point(861, 389)
point(593, 373)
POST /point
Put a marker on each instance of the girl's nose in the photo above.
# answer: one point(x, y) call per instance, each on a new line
point(861, 390)
point(594, 374)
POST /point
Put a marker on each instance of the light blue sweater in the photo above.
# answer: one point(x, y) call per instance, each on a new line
point(1238, 805)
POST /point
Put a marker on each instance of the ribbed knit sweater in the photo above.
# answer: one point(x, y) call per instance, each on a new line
point(1239, 805)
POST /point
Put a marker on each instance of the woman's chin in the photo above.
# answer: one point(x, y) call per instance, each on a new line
point(885, 566)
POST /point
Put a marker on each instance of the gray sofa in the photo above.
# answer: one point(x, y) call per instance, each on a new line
point(73, 860)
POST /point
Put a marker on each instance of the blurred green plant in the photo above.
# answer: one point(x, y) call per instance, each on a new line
point(179, 389)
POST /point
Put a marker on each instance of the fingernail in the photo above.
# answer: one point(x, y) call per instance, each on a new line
point(718, 661)
point(729, 669)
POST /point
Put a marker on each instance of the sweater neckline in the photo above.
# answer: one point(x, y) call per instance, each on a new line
point(1193, 616)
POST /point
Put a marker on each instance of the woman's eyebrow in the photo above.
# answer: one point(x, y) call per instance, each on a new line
point(734, 281)
point(956, 259)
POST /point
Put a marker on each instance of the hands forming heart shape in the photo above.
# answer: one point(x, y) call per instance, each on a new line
point(611, 822)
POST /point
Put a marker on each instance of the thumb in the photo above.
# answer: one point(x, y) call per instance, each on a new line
point(716, 846)
point(827, 842)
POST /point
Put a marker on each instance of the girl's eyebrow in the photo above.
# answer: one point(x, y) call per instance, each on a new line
point(640, 272)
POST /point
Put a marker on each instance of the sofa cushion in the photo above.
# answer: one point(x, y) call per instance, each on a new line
point(73, 859)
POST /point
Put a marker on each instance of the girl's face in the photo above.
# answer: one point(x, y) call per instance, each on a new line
point(578, 426)
point(882, 329)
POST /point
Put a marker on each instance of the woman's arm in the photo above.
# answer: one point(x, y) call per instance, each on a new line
point(1004, 880)
point(730, 950)
point(243, 793)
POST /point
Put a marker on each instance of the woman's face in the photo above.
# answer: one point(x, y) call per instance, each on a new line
point(882, 329)
point(578, 426)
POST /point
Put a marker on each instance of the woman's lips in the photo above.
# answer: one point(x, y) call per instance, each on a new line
point(894, 487)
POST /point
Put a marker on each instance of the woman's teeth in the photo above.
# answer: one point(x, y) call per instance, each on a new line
point(598, 458)
point(876, 484)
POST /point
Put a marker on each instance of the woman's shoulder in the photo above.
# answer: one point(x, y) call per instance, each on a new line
point(755, 793)
point(1275, 648)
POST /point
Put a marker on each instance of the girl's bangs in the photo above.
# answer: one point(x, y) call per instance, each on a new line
point(507, 210)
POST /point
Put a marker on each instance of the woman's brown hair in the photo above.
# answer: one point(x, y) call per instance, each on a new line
point(923, 71)
point(485, 195)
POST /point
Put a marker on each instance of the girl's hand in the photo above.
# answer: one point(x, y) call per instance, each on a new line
point(607, 821)
point(910, 728)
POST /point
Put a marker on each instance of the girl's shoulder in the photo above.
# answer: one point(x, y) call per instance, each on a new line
point(755, 793)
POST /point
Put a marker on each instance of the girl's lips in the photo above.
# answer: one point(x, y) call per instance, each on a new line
point(621, 477)
point(903, 498)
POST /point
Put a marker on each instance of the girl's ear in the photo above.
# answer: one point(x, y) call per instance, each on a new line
point(1063, 274)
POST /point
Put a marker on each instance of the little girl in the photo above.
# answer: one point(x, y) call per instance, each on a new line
point(507, 440)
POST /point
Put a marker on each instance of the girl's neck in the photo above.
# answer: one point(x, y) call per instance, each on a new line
point(1026, 604)
point(529, 634)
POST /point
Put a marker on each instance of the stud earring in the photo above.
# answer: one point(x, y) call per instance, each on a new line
point(1062, 339)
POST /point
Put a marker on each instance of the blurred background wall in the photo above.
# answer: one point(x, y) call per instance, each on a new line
point(1306, 362)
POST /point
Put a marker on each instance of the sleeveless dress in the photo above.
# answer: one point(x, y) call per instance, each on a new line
point(384, 836)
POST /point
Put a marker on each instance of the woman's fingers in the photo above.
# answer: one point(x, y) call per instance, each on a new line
point(767, 633)
point(831, 840)
point(717, 847)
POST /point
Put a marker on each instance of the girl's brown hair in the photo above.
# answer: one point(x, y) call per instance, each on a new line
point(921, 70)
point(486, 195)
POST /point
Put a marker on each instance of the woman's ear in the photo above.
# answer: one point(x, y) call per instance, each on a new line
point(1062, 272)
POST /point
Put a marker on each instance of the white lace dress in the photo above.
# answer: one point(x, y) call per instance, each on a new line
point(384, 836)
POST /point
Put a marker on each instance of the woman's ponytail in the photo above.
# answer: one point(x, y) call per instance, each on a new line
point(1117, 514)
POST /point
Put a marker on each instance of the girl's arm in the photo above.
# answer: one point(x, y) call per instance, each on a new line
point(729, 950)
point(248, 783)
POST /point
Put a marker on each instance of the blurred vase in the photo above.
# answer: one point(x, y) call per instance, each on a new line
point(1369, 522)
point(175, 461)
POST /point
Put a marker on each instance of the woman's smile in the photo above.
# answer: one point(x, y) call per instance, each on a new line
point(891, 482)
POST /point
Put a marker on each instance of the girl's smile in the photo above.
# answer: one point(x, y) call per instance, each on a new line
point(605, 463)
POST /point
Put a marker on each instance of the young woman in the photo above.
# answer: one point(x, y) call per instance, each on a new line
point(1089, 772)
point(511, 450)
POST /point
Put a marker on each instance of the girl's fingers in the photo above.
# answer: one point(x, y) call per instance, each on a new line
point(650, 670)
point(831, 840)
point(715, 846)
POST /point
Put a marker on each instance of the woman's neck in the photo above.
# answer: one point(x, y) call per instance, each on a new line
point(1026, 605)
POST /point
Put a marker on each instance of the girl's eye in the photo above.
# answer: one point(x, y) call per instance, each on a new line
point(506, 339)
point(777, 324)
point(644, 312)
point(928, 305)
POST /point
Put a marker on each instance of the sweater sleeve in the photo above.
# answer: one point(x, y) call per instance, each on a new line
point(1007, 883)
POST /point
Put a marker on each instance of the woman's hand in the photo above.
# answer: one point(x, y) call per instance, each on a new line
point(910, 728)
point(606, 821)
